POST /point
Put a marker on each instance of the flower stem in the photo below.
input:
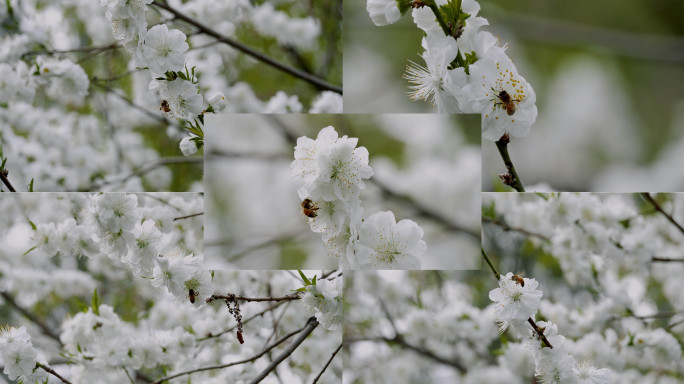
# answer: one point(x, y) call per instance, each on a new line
point(660, 209)
point(540, 333)
point(489, 262)
point(511, 178)
point(53, 372)
point(5, 180)
point(440, 19)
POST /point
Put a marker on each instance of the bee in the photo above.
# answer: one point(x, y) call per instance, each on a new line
point(239, 337)
point(518, 279)
point(192, 294)
point(507, 102)
point(165, 106)
point(309, 208)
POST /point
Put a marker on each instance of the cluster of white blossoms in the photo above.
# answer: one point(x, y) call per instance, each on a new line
point(143, 239)
point(324, 298)
point(329, 172)
point(466, 70)
point(19, 356)
point(517, 301)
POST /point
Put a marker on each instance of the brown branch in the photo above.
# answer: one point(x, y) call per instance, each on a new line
point(660, 209)
point(188, 216)
point(540, 333)
point(507, 228)
point(231, 329)
point(249, 360)
point(311, 324)
point(511, 178)
point(232, 297)
point(327, 364)
point(665, 259)
point(316, 81)
point(52, 371)
point(46, 330)
point(5, 180)
point(424, 352)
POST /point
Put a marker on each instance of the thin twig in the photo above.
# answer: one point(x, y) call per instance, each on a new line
point(540, 333)
point(231, 329)
point(660, 209)
point(232, 297)
point(327, 364)
point(316, 81)
point(6, 181)
point(311, 324)
point(424, 211)
point(511, 178)
point(489, 262)
point(46, 330)
point(251, 359)
point(507, 228)
point(666, 260)
point(146, 169)
point(424, 352)
point(188, 216)
point(52, 371)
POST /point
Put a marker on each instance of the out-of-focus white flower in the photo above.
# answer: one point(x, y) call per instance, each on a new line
point(112, 217)
point(288, 31)
point(503, 97)
point(163, 49)
point(587, 373)
point(515, 301)
point(658, 348)
point(281, 103)
point(145, 248)
point(184, 101)
point(16, 84)
point(383, 12)
point(385, 244)
point(188, 146)
point(329, 167)
point(68, 82)
point(327, 102)
point(556, 366)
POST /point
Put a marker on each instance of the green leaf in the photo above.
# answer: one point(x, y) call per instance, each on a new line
point(313, 281)
point(30, 186)
point(306, 281)
point(33, 225)
point(32, 248)
point(96, 303)
point(2, 166)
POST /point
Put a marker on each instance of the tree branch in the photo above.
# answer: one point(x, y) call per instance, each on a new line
point(188, 216)
point(316, 81)
point(251, 359)
point(507, 228)
point(660, 209)
point(52, 371)
point(511, 178)
point(46, 330)
point(232, 297)
point(311, 324)
point(5, 180)
point(327, 364)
